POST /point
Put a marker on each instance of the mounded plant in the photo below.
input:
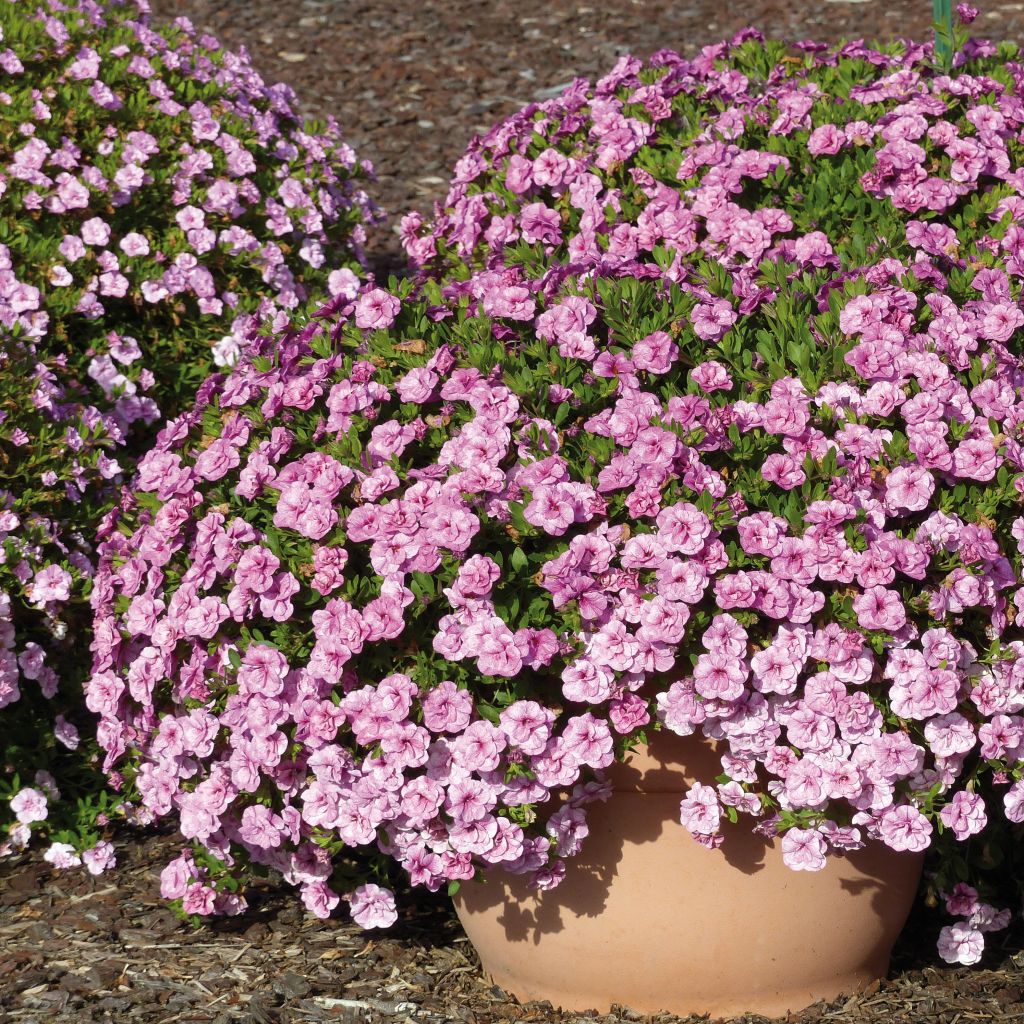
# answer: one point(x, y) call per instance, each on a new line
point(156, 199)
point(702, 416)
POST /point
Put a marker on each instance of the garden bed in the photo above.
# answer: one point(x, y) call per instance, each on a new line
point(410, 83)
point(74, 948)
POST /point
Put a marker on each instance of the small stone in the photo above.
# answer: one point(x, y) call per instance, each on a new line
point(1010, 994)
point(77, 983)
point(290, 985)
point(256, 932)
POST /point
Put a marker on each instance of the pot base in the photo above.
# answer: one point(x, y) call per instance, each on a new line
point(685, 929)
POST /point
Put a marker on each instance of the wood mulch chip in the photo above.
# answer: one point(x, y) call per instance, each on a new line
point(411, 81)
point(74, 948)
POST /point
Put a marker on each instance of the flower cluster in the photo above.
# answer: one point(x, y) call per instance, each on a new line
point(703, 415)
point(156, 199)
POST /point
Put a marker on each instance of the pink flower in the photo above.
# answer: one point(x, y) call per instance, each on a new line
point(904, 828)
point(175, 877)
point(468, 800)
point(655, 353)
point(552, 509)
point(825, 139)
point(700, 812)
point(199, 899)
point(50, 584)
point(909, 487)
point(518, 177)
point(66, 733)
point(99, 858)
point(976, 459)
point(134, 244)
point(712, 320)
point(566, 323)
point(29, 805)
point(549, 169)
point(961, 944)
point(477, 575)
point(261, 827)
point(711, 376)
point(879, 608)
point(964, 814)
point(498, 653)
point(95, 231)
point(218, 460)
point(376, 309)
point(783, 470)
point(719, 675)
point(319, 899)
point(803, 849)
point(628, 714)
point(62, 855)
point(343, 282)
point(446, 708)
point(1013, 802)
point(373, 907)
point(72, 248)
point(539, 223)
point(962, 901)
point(588, 739)
point(527, 725)
point(1001, 321)
point(204, 618)
point(417, 385)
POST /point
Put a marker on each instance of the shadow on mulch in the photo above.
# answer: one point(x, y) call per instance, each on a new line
point(79, 949)
point(425, 918)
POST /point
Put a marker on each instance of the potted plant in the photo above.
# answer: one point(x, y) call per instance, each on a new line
point(689, 463)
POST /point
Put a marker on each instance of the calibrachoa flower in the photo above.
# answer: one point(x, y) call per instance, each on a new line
point(157, 198)
point(685, 456)
point(99, 858)
point(29, 805)
point(373, 907)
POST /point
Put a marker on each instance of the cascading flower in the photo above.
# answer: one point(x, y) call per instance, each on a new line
point(731, 450)
point(157, 198)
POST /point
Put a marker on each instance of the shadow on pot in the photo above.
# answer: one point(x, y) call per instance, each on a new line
point(639, 864)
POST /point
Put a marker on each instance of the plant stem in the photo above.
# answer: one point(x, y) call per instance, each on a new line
point(943, 17)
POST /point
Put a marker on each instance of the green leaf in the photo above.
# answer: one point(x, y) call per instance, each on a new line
point(518, 560)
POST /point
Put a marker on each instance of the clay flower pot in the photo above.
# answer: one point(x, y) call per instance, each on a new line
point(648, 918)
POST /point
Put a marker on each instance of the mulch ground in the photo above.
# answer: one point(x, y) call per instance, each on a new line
point(411, 81)
point(74, 948)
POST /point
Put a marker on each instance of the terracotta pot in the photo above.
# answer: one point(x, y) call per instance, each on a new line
point(649, 919)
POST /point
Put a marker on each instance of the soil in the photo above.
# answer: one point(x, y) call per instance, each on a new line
point(411, 81)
